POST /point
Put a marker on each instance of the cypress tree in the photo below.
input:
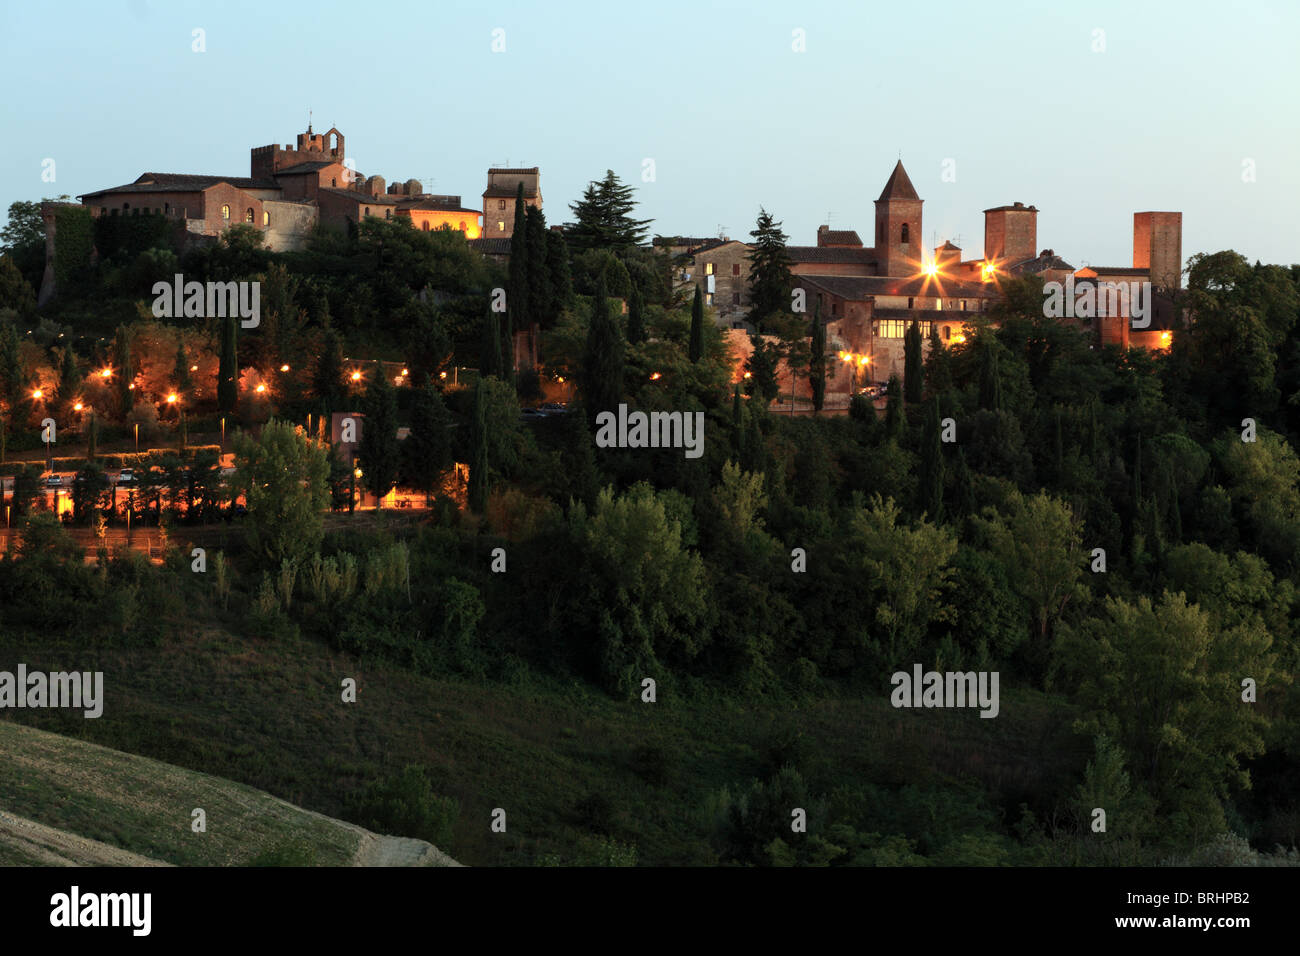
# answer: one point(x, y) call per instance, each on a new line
point(930, 489)
point(541, 309)
point(557, 267)
point(426, 453)
point(697, 326)
point(478, 470)
point(379, 451)
point(92, 438)
point(913, 369)
point(1058, 447)
point(122, 369)
point(69, 378)
point(490, 352)
point(228, 368)
point(636, 333)
point(965, 484)
point(938, 368)
point(181, 371)
point(328, 379)
point(817, 361)
point(990, 380)
point(517, 289)
point(894, 409)
point(602, 360)
point(736, 408)
point(1137, 477)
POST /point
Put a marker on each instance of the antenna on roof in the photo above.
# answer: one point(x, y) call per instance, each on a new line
point(722, 231)
point(828, 217)
point(309, 119)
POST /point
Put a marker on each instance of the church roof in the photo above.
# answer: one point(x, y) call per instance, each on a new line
point(898, 186)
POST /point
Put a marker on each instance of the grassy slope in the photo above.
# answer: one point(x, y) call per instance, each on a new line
point(271, 717)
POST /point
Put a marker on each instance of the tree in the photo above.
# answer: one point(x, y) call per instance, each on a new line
point(697, 326)
point(907, 578)
point(181, 371)
point(894, 422)
point(602, 359)
point(761, 366)
point(770, 279)
point(478, 469)
point(69, 381)
point(426, 453)
point(378, 451)
point(603, 218)
point(228, 367)
point(15, 292)
point(541, 306)
point(283, 475)
point(517, 284)
point(913, 369)
point(124, 370)
point(990, 381)
point(327, 382)
point(560, 275)
point(490, 362)
point(636, 331)
point(938, 365)
point(932, 469)
point(817, 361)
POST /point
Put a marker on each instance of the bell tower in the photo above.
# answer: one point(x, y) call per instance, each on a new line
point(898, 226)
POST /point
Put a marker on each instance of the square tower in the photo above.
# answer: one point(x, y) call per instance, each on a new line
point(898, 227)
point(1010, 234)
point(1158, 247)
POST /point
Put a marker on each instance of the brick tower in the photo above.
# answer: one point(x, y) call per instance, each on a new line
point(898, 226)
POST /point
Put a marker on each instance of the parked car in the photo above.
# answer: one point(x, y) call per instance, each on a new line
point(126, 477)
point(552, 408)
point(531, 414)
point(54, 481)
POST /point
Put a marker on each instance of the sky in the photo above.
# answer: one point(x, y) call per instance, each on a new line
point(711, 110)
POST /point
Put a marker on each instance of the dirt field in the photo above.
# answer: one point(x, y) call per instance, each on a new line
point(67, 802)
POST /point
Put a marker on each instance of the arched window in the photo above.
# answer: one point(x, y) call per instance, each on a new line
point(225, 213)
point(425, 225)
point(906, 236)
point(266, 218)
point(388, 214)
point(367, 210)
point(248, 216)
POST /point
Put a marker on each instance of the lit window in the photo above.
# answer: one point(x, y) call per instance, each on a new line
point(963, 305)
point(708, 298)
point(708, 268)
point(501, 204)
point(248, 215)
point(225, 213)
point(266, 218)
point(501, 226)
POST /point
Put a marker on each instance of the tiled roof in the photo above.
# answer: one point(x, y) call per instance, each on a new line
point(361, 198)
point(839, 237)
point(708, 245)
point(857, 288)
point(298, 169)
point(1020, 207)
point(491, 245)
point(1118, 271)
point(830, 254)
point(898, 186)
point(179, 182)
point(1039, 264)
point(436, 204)
point(688, 241)
point(949, 246)
point(521, 171)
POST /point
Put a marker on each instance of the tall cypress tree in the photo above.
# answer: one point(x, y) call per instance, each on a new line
point(557, 268)
point(817, 360)
point(489, 362)
point(930, 488)
point(894, 409)
point(913, 369)
point(636, 333)
point(990, 380)
point(123, 370)
point(426, 453)
point(181, 370)
point(938, 365)
point(478, 469)
point(541, 309)
point(602, 359)
point(379, 451)
point(69, 380)
point(697, 326)
point(517, 289)
point(327, 382)
point(228, 368)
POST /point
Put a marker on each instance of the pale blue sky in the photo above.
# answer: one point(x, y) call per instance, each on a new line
point(712, 92)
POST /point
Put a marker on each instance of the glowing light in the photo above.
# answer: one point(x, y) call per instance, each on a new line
point(77, 407)
point(405, 372)
point(560, 379)
point(655, 376)
point(284, 368)
point(106, 373)
point(357, 473)
point(260, 388)
point(131, 387)
point(194, 368)
point(932, 269)
point(442, 375)
point(959, 338)
point(988, 271)
point(37, 394)
point(863, 360)
point(749, 375)
point(171, 399)
point(1166, 338)
point(356, 376)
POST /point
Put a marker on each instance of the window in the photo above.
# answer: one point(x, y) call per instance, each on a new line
point(501, 226)
point(225, 213)
point(735, 298)
point(388, 214)
point(708, 268)
point(835, 309)
point(963, 305)
point(897, 328)
point(910, 301)
point(938, 305)
point(167, 208)
point(708, 298)
point(880, 232)
point(735, 268)
point(266, 218)
point(947, 333)
point(126, 205)
point(367, 210)
point(248, 215)
point(334, 183)
point(905, 238)
point(501, 204)
point(425, 225)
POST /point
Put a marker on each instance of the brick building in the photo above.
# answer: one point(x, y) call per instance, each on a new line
point(500, 196)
